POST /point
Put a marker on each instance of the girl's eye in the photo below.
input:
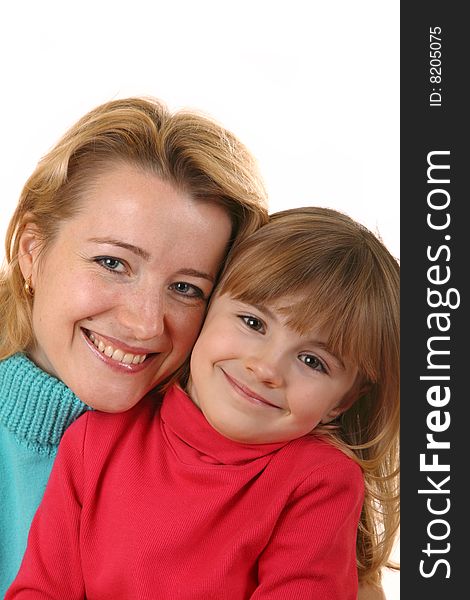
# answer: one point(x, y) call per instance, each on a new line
point(253, 323)
point(187, 289)
point(313, 362)
point(111, 264)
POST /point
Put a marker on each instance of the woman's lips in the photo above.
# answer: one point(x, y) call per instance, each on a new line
point(116, 354)
point(247, 393)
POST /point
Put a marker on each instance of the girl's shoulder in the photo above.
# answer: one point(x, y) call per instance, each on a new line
point(318, 459)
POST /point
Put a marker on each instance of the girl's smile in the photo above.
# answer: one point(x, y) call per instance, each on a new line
point(246, 393)
point(259, 381)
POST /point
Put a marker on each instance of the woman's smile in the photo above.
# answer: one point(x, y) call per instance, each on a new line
point(115, 305)
point(116, 351)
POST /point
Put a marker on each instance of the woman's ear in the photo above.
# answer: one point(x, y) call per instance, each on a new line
point(28, 250)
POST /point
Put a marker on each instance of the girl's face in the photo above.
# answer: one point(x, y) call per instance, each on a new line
point(121, 293)
point(258, 381)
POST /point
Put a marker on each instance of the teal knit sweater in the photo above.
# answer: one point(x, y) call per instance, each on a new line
point(35, 410)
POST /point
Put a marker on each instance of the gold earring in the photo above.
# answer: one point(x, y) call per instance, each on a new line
point(28, 287)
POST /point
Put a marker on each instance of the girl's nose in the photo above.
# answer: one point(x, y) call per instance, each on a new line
point(266, 367)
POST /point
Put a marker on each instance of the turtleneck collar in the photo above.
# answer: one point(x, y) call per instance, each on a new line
point(34, 406)
point(184, 422)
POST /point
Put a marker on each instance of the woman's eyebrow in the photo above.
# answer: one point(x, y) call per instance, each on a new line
point(146, 256)
point(196, 273)
point(134, 249)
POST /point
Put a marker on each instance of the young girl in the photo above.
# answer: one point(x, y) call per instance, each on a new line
point(252, 477)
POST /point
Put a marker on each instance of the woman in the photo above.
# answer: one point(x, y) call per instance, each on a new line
point(112, 254)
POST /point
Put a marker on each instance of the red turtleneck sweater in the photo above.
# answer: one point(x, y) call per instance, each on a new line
point(155, 504)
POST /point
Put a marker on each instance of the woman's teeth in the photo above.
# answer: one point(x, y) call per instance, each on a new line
point(115, 354)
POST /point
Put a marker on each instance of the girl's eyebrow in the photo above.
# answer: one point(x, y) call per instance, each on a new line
point(326, 348)
point(146, 256)
point(264, 309)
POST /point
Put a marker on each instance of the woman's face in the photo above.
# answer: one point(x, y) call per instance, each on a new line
point(121, 293)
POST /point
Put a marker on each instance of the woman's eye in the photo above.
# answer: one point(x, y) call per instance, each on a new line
point(187, 289)
point(313, 362)
point(111, 264)
point(253, 323)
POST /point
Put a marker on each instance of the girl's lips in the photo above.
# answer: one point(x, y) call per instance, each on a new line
point(246, 392)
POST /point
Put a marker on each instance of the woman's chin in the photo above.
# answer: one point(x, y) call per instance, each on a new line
point(111, 406)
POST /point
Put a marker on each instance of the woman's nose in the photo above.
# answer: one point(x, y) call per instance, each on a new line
point(144, 315)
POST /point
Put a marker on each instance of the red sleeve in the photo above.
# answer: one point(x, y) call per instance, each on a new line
point(51, 565)
point(312, 551)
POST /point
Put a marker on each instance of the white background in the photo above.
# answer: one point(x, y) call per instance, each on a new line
point(311, 87)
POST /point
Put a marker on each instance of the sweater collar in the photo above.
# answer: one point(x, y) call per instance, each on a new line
point(34, 406)
point(184, 422)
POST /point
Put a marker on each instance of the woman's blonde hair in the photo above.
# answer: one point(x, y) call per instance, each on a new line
point(339, 278)
point(185, 148)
